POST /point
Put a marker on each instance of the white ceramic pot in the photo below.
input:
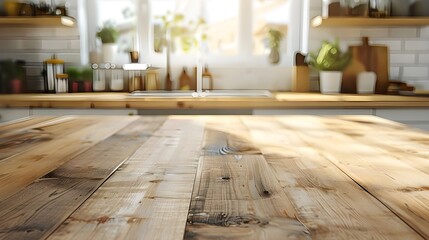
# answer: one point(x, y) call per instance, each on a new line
point(330, 81)
point(109, 52)
point(366, 82)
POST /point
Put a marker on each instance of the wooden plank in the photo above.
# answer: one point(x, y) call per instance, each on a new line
point(22, 123)
point(19, 171)
point(37, 210)
point(327, 201)
point(400, 187)
point(27, 138)
point(235, 194)
point(149, 196)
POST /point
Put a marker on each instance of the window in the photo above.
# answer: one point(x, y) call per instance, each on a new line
point(233, 30)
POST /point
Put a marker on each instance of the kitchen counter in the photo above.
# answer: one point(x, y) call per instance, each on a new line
point(279, 101)
point(213, 177)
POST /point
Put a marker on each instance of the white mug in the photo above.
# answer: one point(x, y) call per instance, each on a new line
point(366, 82)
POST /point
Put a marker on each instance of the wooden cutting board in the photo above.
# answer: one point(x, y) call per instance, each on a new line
point(371, 58)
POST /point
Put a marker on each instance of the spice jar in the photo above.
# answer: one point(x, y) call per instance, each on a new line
point(62, 83)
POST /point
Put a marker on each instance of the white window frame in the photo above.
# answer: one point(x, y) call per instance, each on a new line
point(296, 37)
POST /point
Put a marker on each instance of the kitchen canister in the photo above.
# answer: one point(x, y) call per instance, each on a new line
point(52, 67)
point(400, 8)
point(366, 82)
point(419, 8)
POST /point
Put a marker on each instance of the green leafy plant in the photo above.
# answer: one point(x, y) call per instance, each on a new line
point(329, 57)
point(185, 32)
point(108, 33)
point(87, 74)
point(274, 38)
point(74, 74)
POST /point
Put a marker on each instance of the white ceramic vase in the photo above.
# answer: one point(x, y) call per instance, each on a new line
point(330, 81)
point(109, 52)
point(365, 82)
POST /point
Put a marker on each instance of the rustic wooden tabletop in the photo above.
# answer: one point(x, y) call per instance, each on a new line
point(213, 177)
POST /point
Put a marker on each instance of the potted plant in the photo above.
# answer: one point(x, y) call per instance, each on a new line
point(74, 76)
point(13, 75)
point(108, 35)
point(87, 76)
point(330, 61)
point(274, 39)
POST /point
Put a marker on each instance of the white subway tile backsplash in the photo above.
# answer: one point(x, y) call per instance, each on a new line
point(402, 58)
point(374, 32)
point(412, 72)
point(417, 45)
point(55, 44)
point(394, 73)
point(75, 44)
point(407, 32)
point(30, 44)
point(424, 32)
point(393, 45)
point(424, 58)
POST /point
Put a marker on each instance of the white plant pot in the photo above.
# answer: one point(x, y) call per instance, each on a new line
point(109, 52)
point(366, 82)
point(330, 81)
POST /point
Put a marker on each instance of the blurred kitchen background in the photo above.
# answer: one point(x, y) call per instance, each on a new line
point(233, 40)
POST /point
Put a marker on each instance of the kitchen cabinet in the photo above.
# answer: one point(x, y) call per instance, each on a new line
point(418, 118)
point(61, 112)
point(368, 22)
point(9, 114)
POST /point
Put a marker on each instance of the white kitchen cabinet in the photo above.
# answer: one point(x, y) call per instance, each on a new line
point(61, 112)
point(320, 112)
point(7, 114)
point(414, 117)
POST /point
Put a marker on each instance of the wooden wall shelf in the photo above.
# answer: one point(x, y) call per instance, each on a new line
point(368, 22)
point(45, 21)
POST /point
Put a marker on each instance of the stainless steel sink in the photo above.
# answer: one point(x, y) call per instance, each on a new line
point(209, 94)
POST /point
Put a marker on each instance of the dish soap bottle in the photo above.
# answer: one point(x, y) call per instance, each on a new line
point(207, 79)
point(185, 81)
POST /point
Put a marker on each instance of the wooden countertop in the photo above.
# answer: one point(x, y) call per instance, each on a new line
point(213, 177)
point(279, 101)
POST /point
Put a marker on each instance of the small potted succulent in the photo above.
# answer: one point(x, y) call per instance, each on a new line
point(108, 35)
point(330, 61)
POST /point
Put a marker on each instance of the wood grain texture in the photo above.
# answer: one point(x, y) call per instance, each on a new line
point(400, 186)
point(149, 196)
point(236, 195)
point(20, 170)
point(328, 202)
point(215, 177)
point(284, 100)
point(36, 211)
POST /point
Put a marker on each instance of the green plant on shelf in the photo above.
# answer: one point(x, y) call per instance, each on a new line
point(329, 57)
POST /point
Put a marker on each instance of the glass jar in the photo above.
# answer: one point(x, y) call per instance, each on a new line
point(379, 8)
point(62, 83)
point(116, 79)
point(99, 77)
point(354, 8)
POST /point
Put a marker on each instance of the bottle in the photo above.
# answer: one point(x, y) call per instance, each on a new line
point(207, 79)
point(185, 80)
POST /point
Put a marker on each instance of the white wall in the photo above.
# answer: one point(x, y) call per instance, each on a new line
point(36, 44)
point(409, 46)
